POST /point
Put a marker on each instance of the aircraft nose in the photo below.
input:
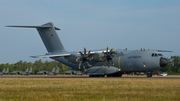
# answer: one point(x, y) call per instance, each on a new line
point(163, 62)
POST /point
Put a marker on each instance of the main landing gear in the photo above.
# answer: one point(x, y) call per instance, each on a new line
point(149, 74)
point(96, 75)
point(118, 74)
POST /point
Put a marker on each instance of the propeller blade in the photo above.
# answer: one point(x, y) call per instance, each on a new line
point(108, 57)
point(84, 58)
point(113, 55)
point(78, 59)
point(106, 62)
point(108, 66)
point(91, 58)
point(112, 62)
point(103, 52)
point(87, 63)
point(89, 52)
point(84, 51)
point(80, 53)
point(111, 50)
point(80, 65)
point(107, 50)
point(84, 66)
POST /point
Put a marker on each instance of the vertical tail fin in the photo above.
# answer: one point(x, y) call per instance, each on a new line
point(49, 37)
point(30, 71)
point(7, 71)
point(3, 70)
point(53, 69)
point(27, 70)
point(57, 70)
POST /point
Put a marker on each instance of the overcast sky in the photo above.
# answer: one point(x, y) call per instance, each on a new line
point(94, 24)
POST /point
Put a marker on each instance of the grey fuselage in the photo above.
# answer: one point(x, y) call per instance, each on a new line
point(125, 60)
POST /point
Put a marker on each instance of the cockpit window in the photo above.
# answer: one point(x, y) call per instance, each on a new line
point(156, 54)
point(152, 54)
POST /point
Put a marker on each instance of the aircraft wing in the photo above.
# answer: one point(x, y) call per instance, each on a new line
point(14, 72)
point(48, 56)
point(164, 51)
point(63, 54)
point(23, 73)
point(35, 27)
point(43, 72)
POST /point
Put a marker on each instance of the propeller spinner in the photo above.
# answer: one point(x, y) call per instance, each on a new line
point(84, 58)
point(108, 57)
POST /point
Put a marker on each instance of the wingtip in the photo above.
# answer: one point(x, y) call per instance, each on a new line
point(33, 56)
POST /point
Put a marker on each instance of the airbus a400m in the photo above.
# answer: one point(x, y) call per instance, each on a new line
point(110, 62)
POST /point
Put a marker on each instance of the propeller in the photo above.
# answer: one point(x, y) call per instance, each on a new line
point(108, 57)
point(84, 58)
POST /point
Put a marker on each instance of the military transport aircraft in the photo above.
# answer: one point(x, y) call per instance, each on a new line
point(4, 72)
point(113, 62)
point(27, 72)
point(53, 72)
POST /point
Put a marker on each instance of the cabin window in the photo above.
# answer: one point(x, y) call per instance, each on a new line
point(152, 54)
point(160, 55)
point(156, 54)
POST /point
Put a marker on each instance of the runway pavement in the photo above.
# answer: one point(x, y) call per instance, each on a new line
point(134, 77)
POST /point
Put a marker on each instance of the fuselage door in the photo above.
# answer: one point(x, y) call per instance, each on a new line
point(130, 66)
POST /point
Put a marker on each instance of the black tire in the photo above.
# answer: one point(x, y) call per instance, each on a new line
point(149, 74)
point(109, 75)
point(92, 76)
point(120, 74)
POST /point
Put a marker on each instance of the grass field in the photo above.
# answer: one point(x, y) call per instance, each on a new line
point(89, 89)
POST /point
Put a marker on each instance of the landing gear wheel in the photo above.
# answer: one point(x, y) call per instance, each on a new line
point(101, 75)
point(149, 75)
point(118, 74)
point(90, 75)
point(109, 75)
point(96, 75)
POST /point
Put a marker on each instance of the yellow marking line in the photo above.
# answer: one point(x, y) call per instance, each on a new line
point(119, 63)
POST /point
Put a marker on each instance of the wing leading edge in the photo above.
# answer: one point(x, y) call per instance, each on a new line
point(35, 27)
point(48, 56)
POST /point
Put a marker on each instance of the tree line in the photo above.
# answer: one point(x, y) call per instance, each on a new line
point(37, 66)
point(173, 66)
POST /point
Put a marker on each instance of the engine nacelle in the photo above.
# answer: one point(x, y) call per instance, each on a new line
point(98, 57)
point(72, 59)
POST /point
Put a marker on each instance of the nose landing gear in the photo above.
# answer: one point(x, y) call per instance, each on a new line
point(149, 74)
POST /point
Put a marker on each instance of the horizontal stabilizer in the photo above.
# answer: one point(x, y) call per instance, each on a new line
point(48, 56)
point(35, 27)
point(48, 35)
